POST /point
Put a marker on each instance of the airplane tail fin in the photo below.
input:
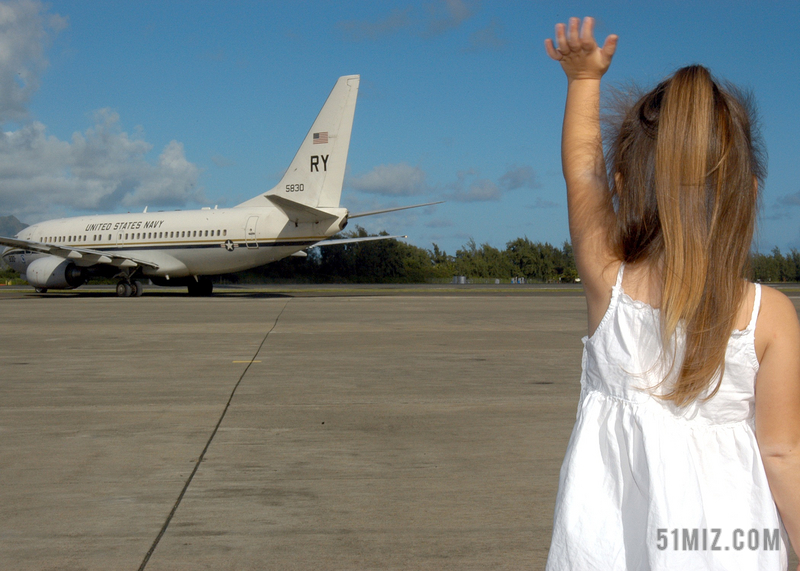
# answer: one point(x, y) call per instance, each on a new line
point(315, 176)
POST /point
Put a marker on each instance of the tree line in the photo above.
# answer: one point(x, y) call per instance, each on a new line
point(393, 261)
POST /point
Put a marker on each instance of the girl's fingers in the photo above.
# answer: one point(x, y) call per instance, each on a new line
point(587, 35)
point(561, 39)
point(551, 50)
point(609, 47)
point(573, 38)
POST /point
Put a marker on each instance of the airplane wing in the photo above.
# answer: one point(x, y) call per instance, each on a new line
point(373, 212)
point(86, 256)
point(352, 240)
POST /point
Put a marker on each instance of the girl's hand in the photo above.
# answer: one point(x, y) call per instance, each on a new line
point(578, 53)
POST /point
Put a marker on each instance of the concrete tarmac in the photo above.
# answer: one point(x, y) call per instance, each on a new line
point(338, 429)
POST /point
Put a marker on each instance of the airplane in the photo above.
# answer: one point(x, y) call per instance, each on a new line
point(185, 248)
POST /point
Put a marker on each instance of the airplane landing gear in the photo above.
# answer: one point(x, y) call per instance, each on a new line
point(130, 289)
point(136, 288)
point(124, 289)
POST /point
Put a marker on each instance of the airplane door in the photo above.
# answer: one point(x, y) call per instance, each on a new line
point(250, 237)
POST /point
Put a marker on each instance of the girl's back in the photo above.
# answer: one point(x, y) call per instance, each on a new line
point(651, 482)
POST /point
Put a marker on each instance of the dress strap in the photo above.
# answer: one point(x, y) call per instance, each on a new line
point(756, 307)
point(619, 275)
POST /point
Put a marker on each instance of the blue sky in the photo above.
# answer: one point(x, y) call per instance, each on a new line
point(113, 106)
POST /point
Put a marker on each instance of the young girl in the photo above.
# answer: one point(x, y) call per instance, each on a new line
point(686, 445)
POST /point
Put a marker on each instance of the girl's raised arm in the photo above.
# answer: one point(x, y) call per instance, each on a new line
point(591, 214)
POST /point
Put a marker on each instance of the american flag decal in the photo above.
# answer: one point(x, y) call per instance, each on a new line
point(320, 138)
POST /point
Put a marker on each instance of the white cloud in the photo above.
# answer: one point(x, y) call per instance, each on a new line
point(100, 169)
point(391, 180)
point(172, 181)
point(358, 30)
point(519, 177)
point(403, 179)
point(448, 15)
point(24, 34)
point(440, 223)
point(542, 203)
point(97, 170)
point(440, 17)
point(790, 200)
point(479, 190)
point(488, 38)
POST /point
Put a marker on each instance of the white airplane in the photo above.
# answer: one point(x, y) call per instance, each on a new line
point(184, 248)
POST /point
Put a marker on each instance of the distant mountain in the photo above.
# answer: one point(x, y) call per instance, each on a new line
point(9, 226)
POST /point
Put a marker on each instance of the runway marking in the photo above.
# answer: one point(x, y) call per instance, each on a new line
point(208, 444)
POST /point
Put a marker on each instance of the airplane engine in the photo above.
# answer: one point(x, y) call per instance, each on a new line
point(56, 273)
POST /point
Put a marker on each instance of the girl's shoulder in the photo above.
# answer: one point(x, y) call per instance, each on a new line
point(777, 319)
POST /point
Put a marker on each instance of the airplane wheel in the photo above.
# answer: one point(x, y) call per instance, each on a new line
point(40, 289)
point(124, 290)
point(136, 289)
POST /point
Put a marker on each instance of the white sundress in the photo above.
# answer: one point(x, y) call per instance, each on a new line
point(646, 485)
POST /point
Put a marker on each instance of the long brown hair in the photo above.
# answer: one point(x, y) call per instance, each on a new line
point(683, 165)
